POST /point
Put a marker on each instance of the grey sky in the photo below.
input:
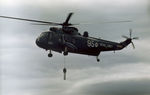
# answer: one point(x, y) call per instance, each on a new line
point(27, 70)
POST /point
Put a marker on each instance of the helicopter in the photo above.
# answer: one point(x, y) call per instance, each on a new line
point(66, 39)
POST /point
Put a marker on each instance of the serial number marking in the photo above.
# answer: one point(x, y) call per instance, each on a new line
point(91, 43)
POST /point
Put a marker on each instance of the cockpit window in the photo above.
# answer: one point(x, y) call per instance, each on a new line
point(43, 34)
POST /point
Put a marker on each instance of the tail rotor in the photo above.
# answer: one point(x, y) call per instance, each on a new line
point(131, 38)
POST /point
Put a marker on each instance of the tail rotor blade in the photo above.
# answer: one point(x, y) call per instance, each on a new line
point(135, 38)
point(130, 33)
point(125, 37)
point(133, 45)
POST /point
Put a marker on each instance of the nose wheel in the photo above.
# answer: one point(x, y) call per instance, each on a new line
point(50, 54)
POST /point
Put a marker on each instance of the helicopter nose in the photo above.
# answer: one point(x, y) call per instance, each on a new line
point(38, 42)
point(41, 41)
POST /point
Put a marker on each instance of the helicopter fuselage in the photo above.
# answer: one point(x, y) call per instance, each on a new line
point(63, 42)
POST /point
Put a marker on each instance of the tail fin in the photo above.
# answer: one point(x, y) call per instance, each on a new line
point(125, 43)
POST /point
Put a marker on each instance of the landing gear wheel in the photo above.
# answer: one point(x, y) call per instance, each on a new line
point(65, 53)
point(50, 55)
point(97, 59)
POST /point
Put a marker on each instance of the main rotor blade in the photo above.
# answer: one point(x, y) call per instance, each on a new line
point(50, 24)
point(68, 18)
point(43, 24)
point(30, 20)
point(121, 21)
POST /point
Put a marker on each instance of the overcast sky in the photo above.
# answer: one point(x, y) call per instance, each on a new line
point(26, 69)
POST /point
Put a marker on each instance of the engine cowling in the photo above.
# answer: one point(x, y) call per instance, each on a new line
point(85, 34)
point(70, 30)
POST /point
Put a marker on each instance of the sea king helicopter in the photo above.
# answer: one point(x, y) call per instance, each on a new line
point(67, 39)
